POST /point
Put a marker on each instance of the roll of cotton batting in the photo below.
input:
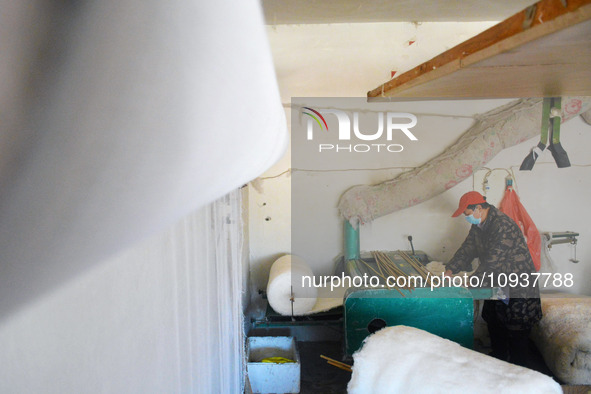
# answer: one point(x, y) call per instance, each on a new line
point(286, 276)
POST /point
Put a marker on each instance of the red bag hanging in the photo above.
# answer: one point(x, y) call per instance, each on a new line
point(512, 207)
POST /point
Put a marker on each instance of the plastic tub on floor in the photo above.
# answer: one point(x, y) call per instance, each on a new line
point(271, 377)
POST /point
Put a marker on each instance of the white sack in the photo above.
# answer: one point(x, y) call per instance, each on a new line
point(563, 336)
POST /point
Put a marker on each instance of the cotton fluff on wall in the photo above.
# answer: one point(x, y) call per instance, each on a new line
point(492, 132)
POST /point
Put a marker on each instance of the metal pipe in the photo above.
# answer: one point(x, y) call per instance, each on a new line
point(563, 241)
point(351, 241)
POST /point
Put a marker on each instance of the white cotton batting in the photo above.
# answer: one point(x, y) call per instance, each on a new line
point(285, 279)
point(403, 359)
point(563, 336)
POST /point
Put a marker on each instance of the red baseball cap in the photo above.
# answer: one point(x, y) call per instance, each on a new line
point(469, 198)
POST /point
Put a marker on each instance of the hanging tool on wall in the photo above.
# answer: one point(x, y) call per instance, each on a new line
point(550, 134)
point(563, 237)
point(558, 152)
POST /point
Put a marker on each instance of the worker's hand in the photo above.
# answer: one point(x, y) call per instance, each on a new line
point(448, 273)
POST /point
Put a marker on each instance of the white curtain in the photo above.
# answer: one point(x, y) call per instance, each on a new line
point(208, 250)
point(164, 316)
point(118, 119)
point(217, 304)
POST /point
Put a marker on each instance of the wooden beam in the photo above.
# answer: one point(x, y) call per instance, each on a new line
point(539, 20)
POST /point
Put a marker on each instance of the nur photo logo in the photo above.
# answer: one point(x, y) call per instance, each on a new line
point(389, 124)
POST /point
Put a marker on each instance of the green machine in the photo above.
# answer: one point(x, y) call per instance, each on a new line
point(444, 311)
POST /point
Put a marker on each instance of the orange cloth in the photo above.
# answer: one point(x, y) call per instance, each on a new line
point(512, 207)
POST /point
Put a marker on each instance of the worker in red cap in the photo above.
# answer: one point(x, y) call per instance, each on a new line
point(504, 262)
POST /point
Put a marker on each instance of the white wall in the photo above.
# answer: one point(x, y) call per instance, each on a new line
point(162, 317)
point(347, 60)
point(337, 60)
point(555, 198)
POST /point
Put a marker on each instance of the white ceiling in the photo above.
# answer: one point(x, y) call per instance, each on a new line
point(348, 59)
point(281, 12)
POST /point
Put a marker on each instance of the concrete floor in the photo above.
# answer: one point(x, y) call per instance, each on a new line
point(317, 376)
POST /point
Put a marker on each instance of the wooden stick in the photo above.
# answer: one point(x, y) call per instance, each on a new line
point(394, 265)
point(336, 363)
point(387, 265)
point(397, 271)
point(378, 263)
point(413, 263)
point(368, 266)
point(419, 265)
point(339, 366)
point(422, 268)
point(388, 262)
point(371, 268)
point(377, 259)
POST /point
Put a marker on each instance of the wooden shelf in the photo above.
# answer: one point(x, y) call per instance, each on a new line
point(544, 50)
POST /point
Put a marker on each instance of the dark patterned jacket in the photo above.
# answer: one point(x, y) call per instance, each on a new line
point(500, 247)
